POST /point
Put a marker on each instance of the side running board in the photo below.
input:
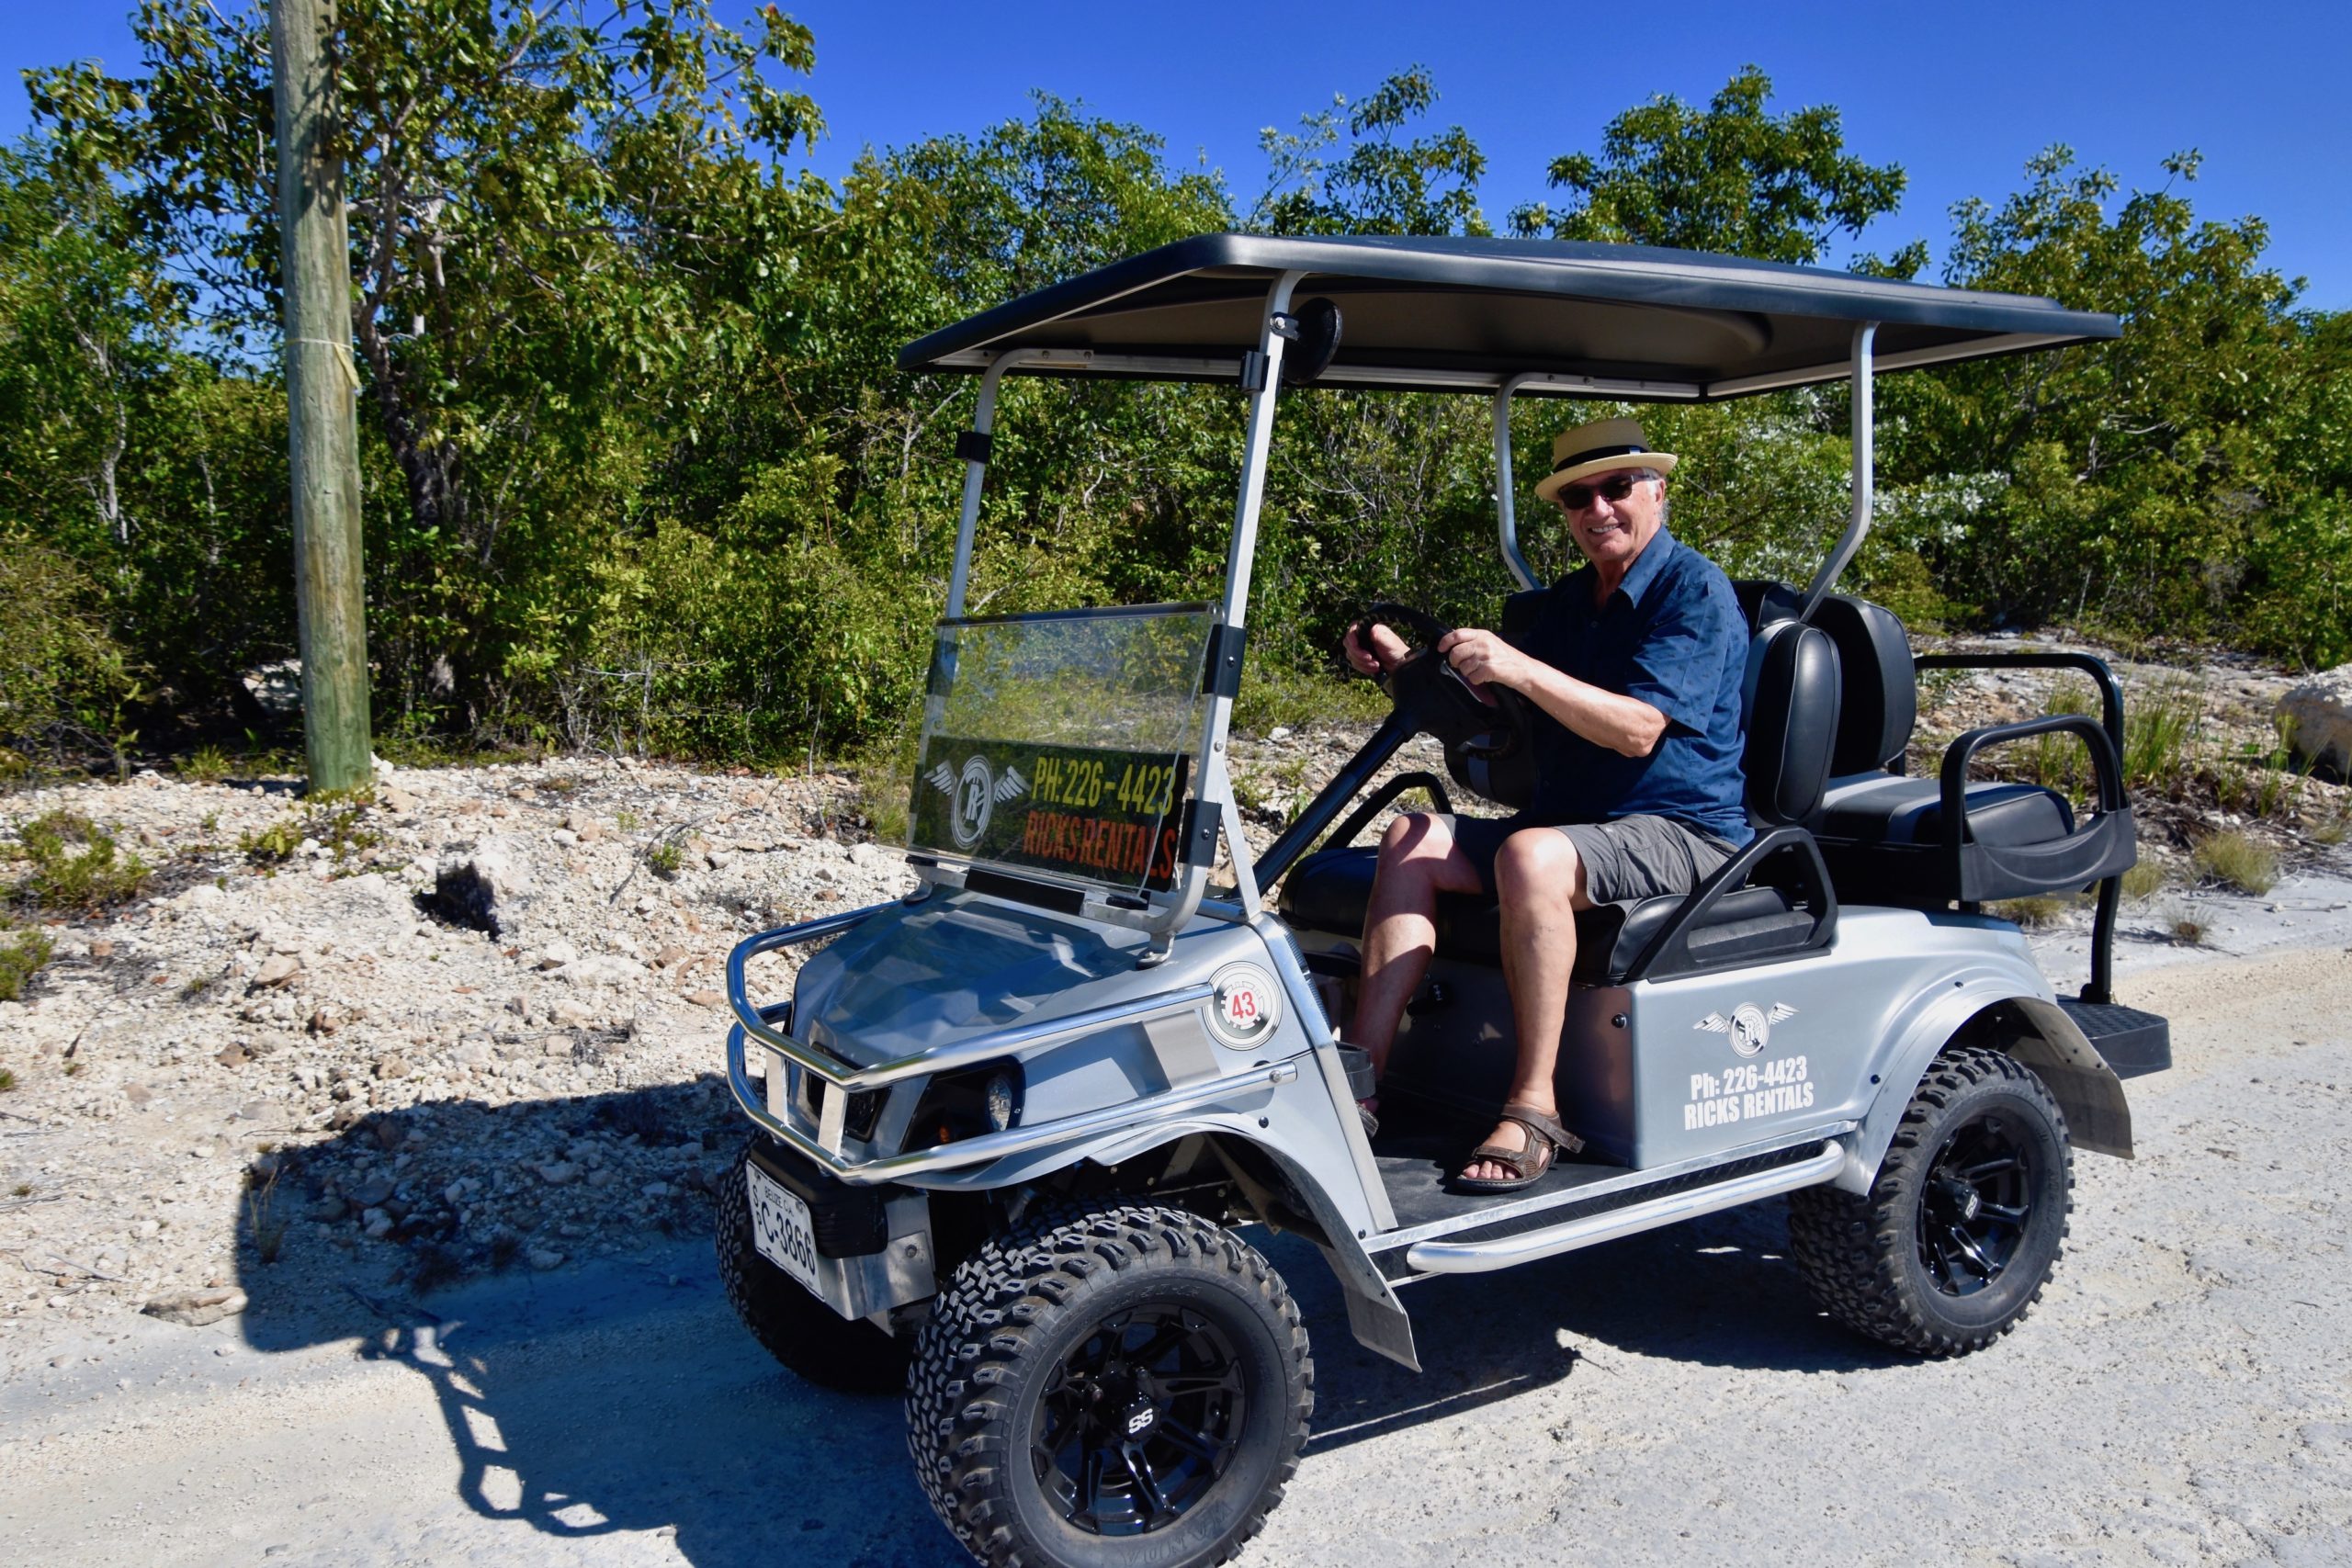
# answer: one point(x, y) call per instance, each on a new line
point(1441, 1256)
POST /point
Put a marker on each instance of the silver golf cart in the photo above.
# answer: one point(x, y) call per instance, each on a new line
point(1005, 1130)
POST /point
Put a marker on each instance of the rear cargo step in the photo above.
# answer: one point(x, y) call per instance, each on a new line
point(2133, 1042)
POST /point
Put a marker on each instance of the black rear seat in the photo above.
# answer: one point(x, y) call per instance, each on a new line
point(1885, 835)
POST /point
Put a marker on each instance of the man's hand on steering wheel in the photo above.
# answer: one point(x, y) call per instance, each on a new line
point(1483, 659)
point(1379, 650)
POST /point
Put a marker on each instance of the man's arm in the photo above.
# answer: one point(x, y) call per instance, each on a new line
point(1623, 724)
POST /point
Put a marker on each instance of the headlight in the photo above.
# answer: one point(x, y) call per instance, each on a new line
point(968, 1104)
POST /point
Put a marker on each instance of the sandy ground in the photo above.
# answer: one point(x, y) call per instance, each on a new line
point(2184, 1393)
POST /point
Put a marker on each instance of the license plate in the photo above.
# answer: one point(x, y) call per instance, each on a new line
point(780, 1227)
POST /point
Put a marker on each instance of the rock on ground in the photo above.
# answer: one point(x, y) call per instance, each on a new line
point(2321, 711)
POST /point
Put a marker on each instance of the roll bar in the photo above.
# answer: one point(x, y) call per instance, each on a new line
point(1841, 554)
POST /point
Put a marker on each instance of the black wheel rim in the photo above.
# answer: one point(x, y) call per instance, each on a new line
point(1139, 1421)
point(1977, 1204)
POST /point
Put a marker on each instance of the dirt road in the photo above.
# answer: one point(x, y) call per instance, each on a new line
point(2184, 1393)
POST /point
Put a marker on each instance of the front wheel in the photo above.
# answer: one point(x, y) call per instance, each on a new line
point(1955, 1241)
point(1139, 1373)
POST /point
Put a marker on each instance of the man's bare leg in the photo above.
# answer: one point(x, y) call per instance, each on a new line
point(1418, 860)
point(1540, 880)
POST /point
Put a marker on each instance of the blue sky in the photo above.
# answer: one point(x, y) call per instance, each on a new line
point(1959, 95)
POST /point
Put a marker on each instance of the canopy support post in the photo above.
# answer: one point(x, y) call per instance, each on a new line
point(1243, 549)
point(1216, 785)
point(1506, 509)
point(976, 468)
point(1858, 524)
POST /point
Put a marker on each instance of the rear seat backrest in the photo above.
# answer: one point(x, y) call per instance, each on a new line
point(1878, 687)
point(1791, 718)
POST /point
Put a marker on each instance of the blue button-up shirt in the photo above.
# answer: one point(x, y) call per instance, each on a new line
point(1672, 635)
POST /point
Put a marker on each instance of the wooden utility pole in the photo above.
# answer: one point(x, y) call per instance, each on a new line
point(320, 386)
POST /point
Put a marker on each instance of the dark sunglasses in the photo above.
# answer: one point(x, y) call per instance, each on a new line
point(1616, 487)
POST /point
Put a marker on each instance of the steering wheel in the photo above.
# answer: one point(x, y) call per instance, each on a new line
point(1428, 690)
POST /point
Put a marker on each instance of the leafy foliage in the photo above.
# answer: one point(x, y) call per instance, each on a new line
point(640, 472)
point(22, 953)
point(1731, 178)
point(1381, 185)
point(76, 865)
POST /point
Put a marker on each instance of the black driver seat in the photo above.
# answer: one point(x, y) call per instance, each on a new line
point(1790, 719)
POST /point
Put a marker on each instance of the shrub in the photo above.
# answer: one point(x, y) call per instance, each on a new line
point(20, 959)
point(207, 764)
point(76, 866)
point(339, 827)
point(2237, 860)
point(64, 681)
point(273, 845)
point(1273, 695)
point(885, 773)
point(2143, 880)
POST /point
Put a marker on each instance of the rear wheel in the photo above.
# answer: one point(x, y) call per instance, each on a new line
point(1955, 1241)
point(1139, 1373)
point(797, 1329)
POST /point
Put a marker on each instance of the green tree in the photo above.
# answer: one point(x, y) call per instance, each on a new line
point(157, 473)
point(554, 207)
point(1382, 184)
point(2120, 481)
point(1732, 178)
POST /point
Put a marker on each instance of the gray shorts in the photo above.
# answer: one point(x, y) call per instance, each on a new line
point(1633, 857)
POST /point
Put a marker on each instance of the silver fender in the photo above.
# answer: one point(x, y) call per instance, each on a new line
point(1331, 1198)
point(2087, 1089)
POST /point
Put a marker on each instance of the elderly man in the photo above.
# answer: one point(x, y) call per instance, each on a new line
point(1634, 663)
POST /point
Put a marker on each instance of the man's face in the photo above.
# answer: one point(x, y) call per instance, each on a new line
point(1612, 532)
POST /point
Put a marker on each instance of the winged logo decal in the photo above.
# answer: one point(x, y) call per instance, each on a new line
point(1750, 1026)
point(974, 792)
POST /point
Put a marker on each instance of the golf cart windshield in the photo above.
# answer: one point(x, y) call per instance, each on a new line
point(1064, 743)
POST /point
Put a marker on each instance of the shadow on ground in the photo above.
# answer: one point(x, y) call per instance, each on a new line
point(622, 1397)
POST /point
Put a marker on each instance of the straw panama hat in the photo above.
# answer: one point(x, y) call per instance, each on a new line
point(1595, 449)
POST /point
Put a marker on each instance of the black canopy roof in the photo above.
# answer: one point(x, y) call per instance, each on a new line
point(1628, 321)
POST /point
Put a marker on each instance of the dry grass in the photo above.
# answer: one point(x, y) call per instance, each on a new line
point(2177, 924)
point(2236, 860)
point(2144, 879)
point(2039, 912)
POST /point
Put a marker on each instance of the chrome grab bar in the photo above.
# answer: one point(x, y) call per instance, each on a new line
point(751, 947)
point(990, 1145)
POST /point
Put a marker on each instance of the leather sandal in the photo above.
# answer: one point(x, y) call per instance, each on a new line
point(1527, 1166)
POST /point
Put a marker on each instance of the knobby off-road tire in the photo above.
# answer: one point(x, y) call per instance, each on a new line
point(1955, 1241)
point(811, 1339)
point(1134, 1385)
